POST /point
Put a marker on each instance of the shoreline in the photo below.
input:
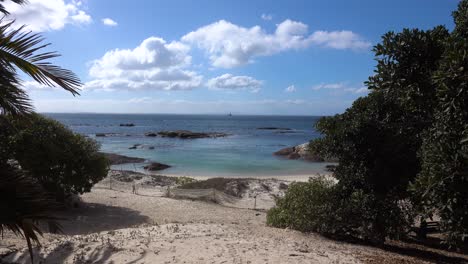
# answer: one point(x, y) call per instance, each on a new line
point(283, 177)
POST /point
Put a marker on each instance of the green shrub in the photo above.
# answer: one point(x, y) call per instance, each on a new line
point(305, 206)
point(62, 161)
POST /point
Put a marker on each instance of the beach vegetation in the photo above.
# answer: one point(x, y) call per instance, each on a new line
point(402, 149)
point(63, 162)
point(23, 201)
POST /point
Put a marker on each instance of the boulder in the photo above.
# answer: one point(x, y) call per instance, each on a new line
point(186, 134)
point(127, 125)
point(151, 134)
point(110, 135)
point(135, 146)
point(121, 159)
point(156, 166)
point(301, 152)
point(274, 128)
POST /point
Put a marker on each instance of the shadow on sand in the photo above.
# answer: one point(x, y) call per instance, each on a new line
point(94, 217)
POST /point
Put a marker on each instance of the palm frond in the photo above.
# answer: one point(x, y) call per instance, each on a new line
point(24, 204)
point(13, 100)
point(4, 11)
point(18, 49)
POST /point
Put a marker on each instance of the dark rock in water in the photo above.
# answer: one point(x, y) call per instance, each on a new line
point(127, 125)
point(156, 166)
point(274, 128)
point(151, 134)
point(135, 146)
point(151, 147)
point(301, 152)
point(110, 135)
point(121, 159)
point(286, 131)
point(185, 134)
point(285, 151)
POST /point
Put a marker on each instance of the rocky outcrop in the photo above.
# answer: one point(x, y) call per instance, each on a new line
point(156, 166)
point(185, 134)
point(274, 128)
point(301, 152)
point(151, 134)
point(127, 125)
point(135, 146)
point(111, 135)
point(121, 159)
point(140, 146)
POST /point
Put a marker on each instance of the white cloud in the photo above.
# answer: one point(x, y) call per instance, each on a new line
point(323, 106)
point(229, 45)
point(290, 89)
point(109, 22)
point(231, 82)
point(154, 64)
point(47, 15)
point(341, 87)
point(267, 17)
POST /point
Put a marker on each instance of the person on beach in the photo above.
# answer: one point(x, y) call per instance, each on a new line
point(134, 188)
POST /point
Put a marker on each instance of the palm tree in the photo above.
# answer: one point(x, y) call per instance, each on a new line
point(20, 50)
point(22, 202)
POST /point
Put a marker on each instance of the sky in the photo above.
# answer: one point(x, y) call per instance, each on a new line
point(292, 57)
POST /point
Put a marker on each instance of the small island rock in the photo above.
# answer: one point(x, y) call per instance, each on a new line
point(156, 166)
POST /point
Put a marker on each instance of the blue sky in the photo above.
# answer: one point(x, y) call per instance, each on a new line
point(245, 57)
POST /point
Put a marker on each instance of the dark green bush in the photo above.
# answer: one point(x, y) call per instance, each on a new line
point(402, 149)
point(305, 207)
point(62, 161)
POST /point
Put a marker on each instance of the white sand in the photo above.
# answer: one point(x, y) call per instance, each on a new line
point(120, 227)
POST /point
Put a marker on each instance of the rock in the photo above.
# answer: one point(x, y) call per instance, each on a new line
point(109, 135)
point(121, 159)
point(151, 147)
point(185, 134)
point(285, 151)
point(156, 166)
point(127, 125)
point(151, 134)
point(274, 128)
point(135, 146)
point(301, 152)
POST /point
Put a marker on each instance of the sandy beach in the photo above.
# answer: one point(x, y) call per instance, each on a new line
point(117, 226)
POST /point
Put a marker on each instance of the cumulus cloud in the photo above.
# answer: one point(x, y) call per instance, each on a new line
point(342, 87)
point(109, 22)
point(290, 89)
point(229, 45)
point(267, 17)
point(230, 82)
point(154, 64)
point(47, 15)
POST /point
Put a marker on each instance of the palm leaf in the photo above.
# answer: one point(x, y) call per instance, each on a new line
point(4, 11)
point(29, 202)
point(18, 49)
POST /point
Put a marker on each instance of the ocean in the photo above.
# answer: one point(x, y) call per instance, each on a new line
point(247, 151)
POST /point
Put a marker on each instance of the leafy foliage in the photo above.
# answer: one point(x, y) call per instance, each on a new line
point(62, 162)
point(22, 201)
point(402, 149)
point(305, 207)
point(442, 185)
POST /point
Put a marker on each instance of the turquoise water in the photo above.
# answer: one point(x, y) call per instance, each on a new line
point(247, 151)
